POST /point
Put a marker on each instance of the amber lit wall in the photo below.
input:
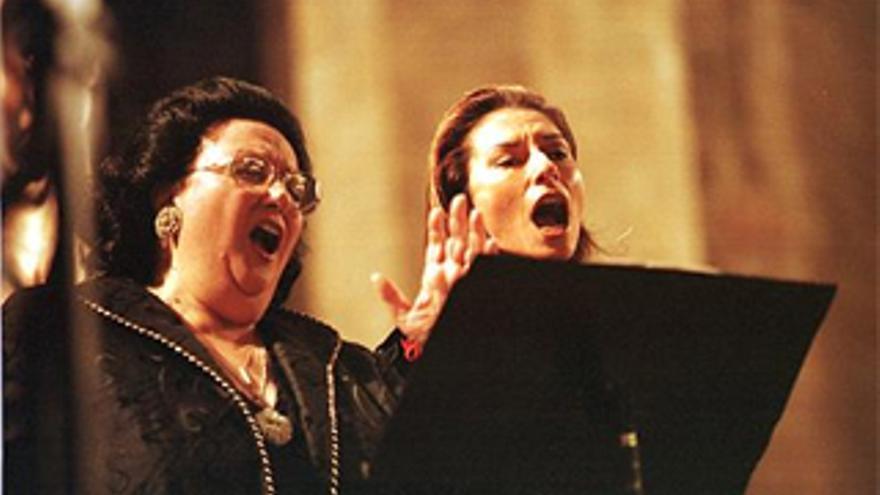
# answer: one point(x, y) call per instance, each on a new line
point(739, 134)
point(736, 134)
point(784, 98)
point(370, 100)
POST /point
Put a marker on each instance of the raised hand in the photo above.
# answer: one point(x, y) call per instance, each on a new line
point(453, 242)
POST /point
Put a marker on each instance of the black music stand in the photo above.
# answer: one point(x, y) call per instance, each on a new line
point(512, 393)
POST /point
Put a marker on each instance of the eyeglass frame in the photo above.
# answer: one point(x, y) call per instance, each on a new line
point(311, 184)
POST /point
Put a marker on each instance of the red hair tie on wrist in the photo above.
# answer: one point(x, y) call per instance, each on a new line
point(412, 349)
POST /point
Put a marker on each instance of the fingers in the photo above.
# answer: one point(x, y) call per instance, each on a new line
point(414, 321)
point(454, 240)
point(390, 294)
point(491, 246)
point(477, 237)
point(457, 243)
point(435, 250)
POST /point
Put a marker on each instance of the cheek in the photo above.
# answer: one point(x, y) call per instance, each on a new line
point(210, 222)
point(495, 195)
point(495, 205)
point(216, 224)
point(297, 226)
point(577, 195)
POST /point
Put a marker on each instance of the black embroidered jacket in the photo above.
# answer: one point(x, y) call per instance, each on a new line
point(165, 418)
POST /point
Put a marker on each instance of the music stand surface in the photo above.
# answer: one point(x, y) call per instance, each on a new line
point(511, 394)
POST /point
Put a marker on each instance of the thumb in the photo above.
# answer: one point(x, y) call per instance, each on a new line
point(390, 294)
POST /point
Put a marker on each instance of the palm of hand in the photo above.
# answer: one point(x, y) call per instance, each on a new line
point(454, 241)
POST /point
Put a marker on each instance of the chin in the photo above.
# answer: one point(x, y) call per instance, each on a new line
point(249, 312)
point(543, 252)
point(560, 249)
point(558, 255)
point(242, 309)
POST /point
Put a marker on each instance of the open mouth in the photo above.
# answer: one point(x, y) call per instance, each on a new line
point(551, 211)
point(267, 238)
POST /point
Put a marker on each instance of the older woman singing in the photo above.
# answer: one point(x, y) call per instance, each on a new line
point(207, 385)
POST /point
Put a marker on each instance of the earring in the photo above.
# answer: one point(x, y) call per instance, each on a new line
point(167, 223)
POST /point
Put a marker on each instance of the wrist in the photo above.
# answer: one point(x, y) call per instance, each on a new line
point(412, 349)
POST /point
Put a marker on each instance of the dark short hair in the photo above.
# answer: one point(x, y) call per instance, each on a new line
point(449, 156)
point(158, 156)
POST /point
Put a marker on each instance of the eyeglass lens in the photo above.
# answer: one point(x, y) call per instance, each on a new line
point(257, 172)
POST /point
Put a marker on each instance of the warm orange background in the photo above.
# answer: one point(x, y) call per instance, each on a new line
point(739, 134)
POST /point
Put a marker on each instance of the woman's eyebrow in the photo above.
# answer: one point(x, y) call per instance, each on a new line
point(552, 136)
point(267, 154)
point(256, 151)
point(515, 141)
point(505, 145)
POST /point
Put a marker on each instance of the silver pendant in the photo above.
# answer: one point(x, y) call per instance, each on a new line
point(276, 427)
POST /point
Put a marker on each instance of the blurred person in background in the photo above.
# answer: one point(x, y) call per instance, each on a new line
point(31, 211)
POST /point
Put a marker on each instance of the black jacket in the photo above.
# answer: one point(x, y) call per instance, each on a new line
point(167, 419)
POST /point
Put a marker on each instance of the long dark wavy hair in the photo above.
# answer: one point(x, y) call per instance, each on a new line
point(157, 157)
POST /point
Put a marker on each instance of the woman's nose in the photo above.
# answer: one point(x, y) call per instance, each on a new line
point(545, 170)
point(278, 192)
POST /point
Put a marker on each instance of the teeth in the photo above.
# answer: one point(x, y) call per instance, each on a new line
point(270, 227)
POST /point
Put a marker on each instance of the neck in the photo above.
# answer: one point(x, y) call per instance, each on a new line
point(235, 346)
point(199, 317)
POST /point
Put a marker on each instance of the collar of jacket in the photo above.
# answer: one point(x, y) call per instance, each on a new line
point(303, 346)
point(306, 349)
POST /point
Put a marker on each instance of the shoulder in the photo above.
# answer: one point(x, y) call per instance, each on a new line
point(50, 295)
point(309, 333)
point(293, 326)
point(30, 299)
point(28, 309)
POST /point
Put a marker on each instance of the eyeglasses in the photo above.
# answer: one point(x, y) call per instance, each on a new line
point(251, 171)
